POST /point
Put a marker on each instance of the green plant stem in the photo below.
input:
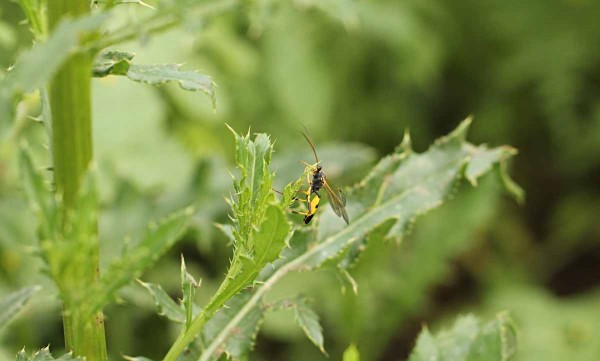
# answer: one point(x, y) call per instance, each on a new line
point(254, 300)
point(70, 103)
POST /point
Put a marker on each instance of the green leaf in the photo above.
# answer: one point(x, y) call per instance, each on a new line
point(164, 303)
point(468, 340)
point(253, 187)
point(400, 188)
point(270, 238)
point(159, 238)
point(291, 190)
point(351, 354)
point(414, 267)
point(238, 340)
point(12, 303)
point(35, 67)
point(114, 62)
point(569, 334)
point(40, 198)
point(45, 355)
point(111, 62)
point(226, 230)
point(510, 185)
point(188, 287)
point(259, 227)
point(160, 74)
point(308, 320)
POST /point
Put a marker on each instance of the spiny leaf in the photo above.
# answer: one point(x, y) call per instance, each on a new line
point(270, 238)
point(45, 355)
point(238, 340)
point(402, 187)
point(40, 198)
point(164, 303)
point(159, 74)
point(308, 320)
point(35, 67)
point(112, 62)
point(510, 185)
point(290, 191)
point(159, 238)
point(12, 303)
point(469, 339)
point(227, 230)
point(253, 187)
point(188, 288)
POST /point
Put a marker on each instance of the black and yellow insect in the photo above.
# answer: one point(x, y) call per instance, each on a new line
point(312, 209)
point(318, 181)
point(308, 215)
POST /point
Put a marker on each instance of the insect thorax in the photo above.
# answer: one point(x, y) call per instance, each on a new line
point(317, 181)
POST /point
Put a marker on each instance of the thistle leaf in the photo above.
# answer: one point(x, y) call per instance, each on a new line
point(40, 198)
point(111, 62)
point(158, 239)
point(12, 303)
point(45, 355)
point(270, 238)
point(159, 74)
point(114, 62)
point(469, 339)
point(188, 288)
point(308, 320)
point(402, 187)
point(164, 303)
point(35, 67)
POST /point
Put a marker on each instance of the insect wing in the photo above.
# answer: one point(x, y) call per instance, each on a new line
point(337, 201)
point(342, 197)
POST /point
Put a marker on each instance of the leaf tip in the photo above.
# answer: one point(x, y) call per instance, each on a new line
point(406, 144)
point(463, 128)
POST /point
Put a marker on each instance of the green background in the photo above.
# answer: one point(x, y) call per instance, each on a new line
point(356, 74)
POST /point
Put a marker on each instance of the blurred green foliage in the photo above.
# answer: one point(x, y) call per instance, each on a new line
point(356, 74)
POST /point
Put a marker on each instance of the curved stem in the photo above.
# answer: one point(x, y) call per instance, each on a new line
point(252, 302)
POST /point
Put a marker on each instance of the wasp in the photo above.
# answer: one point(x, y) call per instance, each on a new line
point(317, 181)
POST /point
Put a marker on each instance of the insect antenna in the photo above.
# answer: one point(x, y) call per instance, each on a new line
point(306, 136)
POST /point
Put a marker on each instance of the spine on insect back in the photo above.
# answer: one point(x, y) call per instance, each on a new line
point(70, 103)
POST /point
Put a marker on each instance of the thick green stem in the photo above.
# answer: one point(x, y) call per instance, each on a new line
point(70, 102)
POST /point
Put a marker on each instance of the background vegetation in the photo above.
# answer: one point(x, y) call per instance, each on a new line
point(357, 74)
